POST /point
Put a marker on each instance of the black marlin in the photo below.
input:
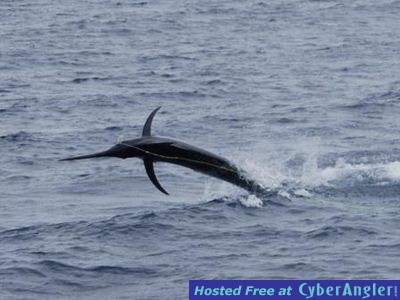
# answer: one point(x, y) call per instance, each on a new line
point(153, 149)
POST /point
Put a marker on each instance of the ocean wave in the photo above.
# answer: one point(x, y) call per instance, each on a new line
point(17, 137)
point(388, 99)
point(330, 232)
point(59, 267)
point(131, 225)
point(84, 79)
point(21, 271)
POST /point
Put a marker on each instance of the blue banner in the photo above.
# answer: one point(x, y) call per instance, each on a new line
point(293, 289)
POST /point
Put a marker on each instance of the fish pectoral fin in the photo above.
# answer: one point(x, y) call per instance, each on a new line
point(147, 125)
point(149, 165)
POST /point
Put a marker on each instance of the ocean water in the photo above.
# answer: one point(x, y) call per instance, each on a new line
point(304, 95)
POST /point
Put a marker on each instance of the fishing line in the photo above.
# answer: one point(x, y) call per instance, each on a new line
point(180, 158)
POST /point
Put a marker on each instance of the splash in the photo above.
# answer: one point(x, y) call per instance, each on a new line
point(301, 172)
point(215, 189)
point(220, 190)
point(350, 174)
point(392, 170)
point(297, 174)
point(251, 201)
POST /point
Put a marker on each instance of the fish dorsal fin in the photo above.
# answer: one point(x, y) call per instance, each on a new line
point(149, 165)
point(147, 125)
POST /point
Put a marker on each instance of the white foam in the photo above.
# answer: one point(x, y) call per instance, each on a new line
point(354, 172)
point(276, 174)
point(284, 194)
point(302, 193)
point(296, 173)
point(393, 170)
point(251, 201)
point(215, 189)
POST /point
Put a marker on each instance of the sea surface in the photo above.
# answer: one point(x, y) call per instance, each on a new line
point(304, 95)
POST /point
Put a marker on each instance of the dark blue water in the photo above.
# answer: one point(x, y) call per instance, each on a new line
point(304, 95)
